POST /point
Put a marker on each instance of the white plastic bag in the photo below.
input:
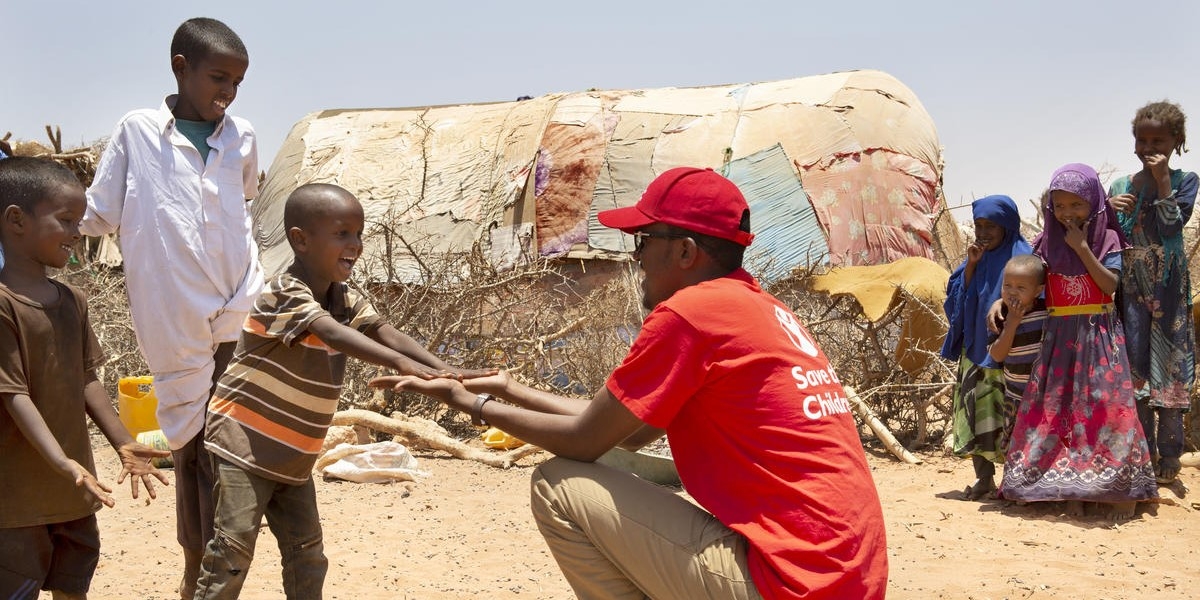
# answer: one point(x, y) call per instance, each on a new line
point(380, 462)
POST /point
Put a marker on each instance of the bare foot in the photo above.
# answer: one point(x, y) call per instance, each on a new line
point(1075, 508)
point(1121, 511)
point(981, 489)
point(1167, 470)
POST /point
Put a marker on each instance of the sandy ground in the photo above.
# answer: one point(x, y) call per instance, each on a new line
point(466, 532)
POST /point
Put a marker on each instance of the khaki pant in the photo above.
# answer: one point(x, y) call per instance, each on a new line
point(617, 536)
point(242, 500)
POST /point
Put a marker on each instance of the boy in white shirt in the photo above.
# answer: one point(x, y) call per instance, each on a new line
point(175, 183)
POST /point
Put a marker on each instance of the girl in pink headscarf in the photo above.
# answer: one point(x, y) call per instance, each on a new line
point(1077, 436)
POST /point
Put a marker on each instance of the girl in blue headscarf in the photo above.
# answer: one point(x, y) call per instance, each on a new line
point(979, 414)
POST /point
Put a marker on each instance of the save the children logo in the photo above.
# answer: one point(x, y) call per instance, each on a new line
point(795, 332)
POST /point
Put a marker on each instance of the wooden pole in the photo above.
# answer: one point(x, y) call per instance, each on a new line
point(880, 430)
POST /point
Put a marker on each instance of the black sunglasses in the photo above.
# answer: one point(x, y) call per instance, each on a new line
point(640, 237)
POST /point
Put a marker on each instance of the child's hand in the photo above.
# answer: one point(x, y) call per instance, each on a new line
point(974, 253)
point(1076, 237)
point(408, 366)
point(1157, 164)
point(135, 464)
point(995, 318)
point(1016, 309)
point(441, 388)
point(465, 374)
point(1123, 203)
point(87, 481)
point(494, 383)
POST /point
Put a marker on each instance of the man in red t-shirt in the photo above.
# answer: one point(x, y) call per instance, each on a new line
point(759, 426)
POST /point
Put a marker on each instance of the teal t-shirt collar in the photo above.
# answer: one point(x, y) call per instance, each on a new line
point(197, 132)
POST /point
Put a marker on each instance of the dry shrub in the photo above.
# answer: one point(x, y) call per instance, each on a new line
point(82, 161)
point(863, 354)
point(560, 326)
point(536, 320)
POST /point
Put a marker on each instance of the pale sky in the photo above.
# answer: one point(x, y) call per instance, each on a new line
point(1016, 88)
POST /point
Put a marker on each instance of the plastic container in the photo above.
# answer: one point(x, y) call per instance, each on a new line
point(495, 438)
point(136, 404)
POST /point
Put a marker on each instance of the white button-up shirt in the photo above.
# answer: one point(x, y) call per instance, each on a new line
point(191, 262)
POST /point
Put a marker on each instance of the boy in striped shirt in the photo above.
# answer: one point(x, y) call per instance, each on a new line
point(1022, 319)
point(271, 409)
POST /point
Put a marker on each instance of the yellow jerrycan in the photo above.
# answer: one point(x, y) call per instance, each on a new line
point(136, 404)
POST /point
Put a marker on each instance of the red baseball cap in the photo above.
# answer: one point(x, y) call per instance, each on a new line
point(695, 199)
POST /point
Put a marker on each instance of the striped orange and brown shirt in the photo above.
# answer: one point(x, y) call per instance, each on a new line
point(274, 403)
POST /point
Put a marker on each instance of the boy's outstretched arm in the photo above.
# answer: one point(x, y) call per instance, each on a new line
point(31, 424)
point(403, 343)
point(351, 342)
point(135, 456)
point(502, 384)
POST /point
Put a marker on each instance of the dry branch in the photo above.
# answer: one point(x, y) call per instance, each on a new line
point(880, 430)
point(418, 434)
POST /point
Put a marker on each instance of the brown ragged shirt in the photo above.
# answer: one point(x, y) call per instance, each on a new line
point(45, 352)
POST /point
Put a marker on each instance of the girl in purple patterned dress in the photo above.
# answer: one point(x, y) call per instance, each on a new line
point(1077, 436)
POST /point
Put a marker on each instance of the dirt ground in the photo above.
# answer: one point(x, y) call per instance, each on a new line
point(465, 532)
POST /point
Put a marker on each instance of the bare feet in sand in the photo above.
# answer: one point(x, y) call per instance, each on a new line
point(1075, 508)
point(1121, 511)
point(1167, 470)
point(982, 489)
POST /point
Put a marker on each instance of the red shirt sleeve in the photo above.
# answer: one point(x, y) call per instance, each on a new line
point(664, 367)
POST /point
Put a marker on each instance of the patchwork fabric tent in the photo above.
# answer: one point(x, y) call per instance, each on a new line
point(843, 168)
